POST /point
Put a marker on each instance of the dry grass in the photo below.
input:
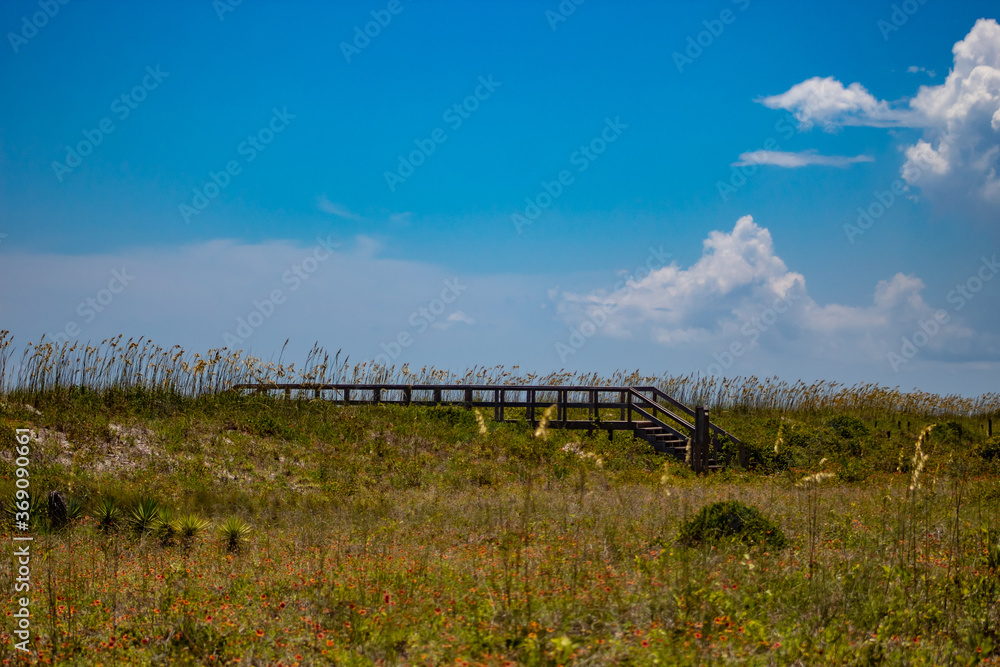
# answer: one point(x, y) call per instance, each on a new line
point(114, 363)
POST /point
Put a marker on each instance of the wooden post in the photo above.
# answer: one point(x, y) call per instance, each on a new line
point(531, 407)
point(628, 405)
point(468, 398)
point(699, 426)
point(699, 444)
point(499, 414)
point(408, 395)
point(621, 400)
point(706, 430)
point(377, 395)
point(347, 396)
point(595, 408)
point(437, 397)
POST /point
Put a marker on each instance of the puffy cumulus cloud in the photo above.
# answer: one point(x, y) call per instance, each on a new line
point(684, 304)
point(960, 150)
point(740, 291)
point(828, 103)
point(801, 159)
point(956, 160)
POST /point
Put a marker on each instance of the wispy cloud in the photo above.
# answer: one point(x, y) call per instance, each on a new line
point(801, 159)
point(453, 319)
point(913, 69)
point(334, 208)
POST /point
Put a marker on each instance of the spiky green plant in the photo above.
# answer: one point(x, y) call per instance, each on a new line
point(190, 526)
point(145, 516)
point(108, 513)
point(167, 527)
point(33, 505)
point(234, 532)
point(74, 509)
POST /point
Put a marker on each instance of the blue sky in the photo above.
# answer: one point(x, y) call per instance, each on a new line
point(828, 108)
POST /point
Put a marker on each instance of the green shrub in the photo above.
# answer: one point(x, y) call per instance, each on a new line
point(853, 471)
point(731, 522)
point(268, 426)
point(949, 433)
point(848, 427)
point(990, 450)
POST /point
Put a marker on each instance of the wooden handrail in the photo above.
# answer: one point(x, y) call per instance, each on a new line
point(648, 402)
point(657, 406)
point(717, 429)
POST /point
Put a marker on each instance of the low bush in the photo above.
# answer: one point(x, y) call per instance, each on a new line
point(847, 426)
point(731, 522)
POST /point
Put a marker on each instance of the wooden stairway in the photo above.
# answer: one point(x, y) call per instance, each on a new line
point(660, 439)
point(668, 425)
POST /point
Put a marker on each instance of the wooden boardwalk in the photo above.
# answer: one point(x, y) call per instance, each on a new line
point(667, 424)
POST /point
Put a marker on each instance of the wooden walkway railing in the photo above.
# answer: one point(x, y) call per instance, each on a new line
point(669, 425)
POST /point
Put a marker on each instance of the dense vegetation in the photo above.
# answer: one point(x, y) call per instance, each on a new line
point(212, 526)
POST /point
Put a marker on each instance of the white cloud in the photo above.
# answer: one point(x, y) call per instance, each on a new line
point(959, 154)
point(801, 159)
point(741, 291)
point(334, 208)
point(913, 69)
point(956, 161)
point(828, 103)
point(453, 319)
point(736, 271)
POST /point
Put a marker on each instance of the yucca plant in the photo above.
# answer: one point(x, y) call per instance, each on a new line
point(74, 509)
point(234, 532)
point(145, 516)
point(35, 507)
point(108, 514)
point(190, 526)
point(167, 527)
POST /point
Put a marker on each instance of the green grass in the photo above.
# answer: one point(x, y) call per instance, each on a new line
point(259, 529)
